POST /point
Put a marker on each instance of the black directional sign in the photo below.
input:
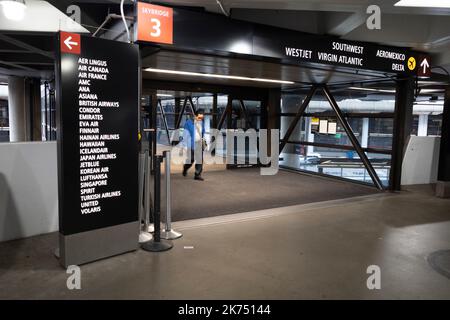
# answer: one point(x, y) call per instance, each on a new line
point(334, 51)
point(98, 100)
point(203, 32)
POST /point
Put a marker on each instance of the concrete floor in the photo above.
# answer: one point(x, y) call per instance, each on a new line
point(313, 251)
point(251, 191)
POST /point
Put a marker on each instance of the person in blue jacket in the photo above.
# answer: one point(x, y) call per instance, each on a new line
point(193, 137)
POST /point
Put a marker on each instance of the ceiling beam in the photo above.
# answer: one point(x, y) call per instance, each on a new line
point(443, 41)
point(26, 46)
point(442, 60)
point(32, 63)
point(349, 24)
point(29, 56)
point(18, 66)
point(5, 72)
point(14, 51)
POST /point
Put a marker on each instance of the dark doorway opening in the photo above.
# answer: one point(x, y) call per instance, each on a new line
point(226, 191)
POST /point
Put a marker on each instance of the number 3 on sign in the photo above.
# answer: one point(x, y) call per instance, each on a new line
point(155, 23)
point(156, 27)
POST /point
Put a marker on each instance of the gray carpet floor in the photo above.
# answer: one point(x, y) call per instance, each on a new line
point(242, 190)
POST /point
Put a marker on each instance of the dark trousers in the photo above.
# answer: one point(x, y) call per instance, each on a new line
point(198, 166)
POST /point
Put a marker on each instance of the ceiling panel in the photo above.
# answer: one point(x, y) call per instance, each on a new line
point(191, 62)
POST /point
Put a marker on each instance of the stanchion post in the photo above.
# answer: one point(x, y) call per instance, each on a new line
point(147, 200)
point(149, 223)
point(168, 233)
point(141, 179)
point(157, 204)
point(157, 244)
point(144, 236)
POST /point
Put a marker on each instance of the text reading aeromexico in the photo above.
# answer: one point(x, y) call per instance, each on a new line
point(95, 145)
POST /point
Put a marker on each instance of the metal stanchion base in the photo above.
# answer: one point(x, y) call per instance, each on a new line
point(145, 237)
point(171, 235)
point(154, 246)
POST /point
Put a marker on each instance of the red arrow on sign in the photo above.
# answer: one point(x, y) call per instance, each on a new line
point(70, 42)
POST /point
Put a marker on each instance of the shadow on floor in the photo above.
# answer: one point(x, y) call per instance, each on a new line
point(10, 223)
point(243, 190)
point(31, 254)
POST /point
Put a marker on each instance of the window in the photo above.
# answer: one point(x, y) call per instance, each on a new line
point(320, 144)
point(4, 121)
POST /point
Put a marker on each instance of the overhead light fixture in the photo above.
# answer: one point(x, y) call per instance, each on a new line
point(429, 103)
point(424, 4)
point(13, 9)
point(164, 95)
point(371, 89)
point(424, 91)
point(219, 76)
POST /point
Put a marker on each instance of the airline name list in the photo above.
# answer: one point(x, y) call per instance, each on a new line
point(95, 145)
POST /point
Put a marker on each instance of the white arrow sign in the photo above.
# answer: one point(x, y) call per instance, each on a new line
point(69, 43)
point(425, 65)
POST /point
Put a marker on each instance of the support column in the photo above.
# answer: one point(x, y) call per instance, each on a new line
point(443, 184)
point(35, 101)
point(365, 133)
point(18, 128)
point(290, 105)
point(229, 113)
point(403, 118)
point(309, 135)
point(177, 108)
point(214, 112)
point(422, 129)
point(273, 114)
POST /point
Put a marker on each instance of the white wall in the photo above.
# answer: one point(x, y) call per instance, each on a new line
point(28, 189)
point(421, 161)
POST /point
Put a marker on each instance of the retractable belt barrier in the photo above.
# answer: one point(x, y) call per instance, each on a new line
point(157, 244)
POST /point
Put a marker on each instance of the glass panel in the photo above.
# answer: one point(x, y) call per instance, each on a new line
point(428, 115)
point(415, 125)
point(434, 125)
point(168, 106)
point(334, 162)
point(205, 104)
point(252, 109)
point(354, 104)
point(321, 126)
point(222, 101)
point(48, 114)
point(299, 133)
point(4, 121)
point(381, 133)
point(340, 137)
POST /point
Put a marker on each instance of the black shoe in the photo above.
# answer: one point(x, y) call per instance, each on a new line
point(199, 178)
point(184, 173)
